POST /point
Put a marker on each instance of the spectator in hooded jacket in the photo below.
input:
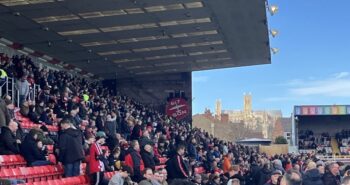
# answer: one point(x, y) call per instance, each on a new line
point(9, 144)
point(71, 151)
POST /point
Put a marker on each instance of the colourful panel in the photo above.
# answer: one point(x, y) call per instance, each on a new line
point(312, 110)
point(305, 111)
point(342, 110)
point(335, 110)
point(319, 110)
point(327, 110)
point(348, 109)
point(298, 110)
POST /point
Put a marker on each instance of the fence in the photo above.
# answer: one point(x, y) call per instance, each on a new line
point(8, 87)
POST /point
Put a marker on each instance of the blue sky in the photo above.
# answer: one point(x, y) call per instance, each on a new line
point(312, 67)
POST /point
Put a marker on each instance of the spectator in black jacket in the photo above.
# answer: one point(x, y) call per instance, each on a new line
point(148, 158)
point(312, 176)
point(33, 151)
point(4, 113)
point(265, 174)
point(146, 140)
point(175, 165)
point(46, 117)
point(136, 131)
point(71, 150)
point(9, 144)
point(191, 149)
point(274, 177)
point(33, 116)
point(331, 177)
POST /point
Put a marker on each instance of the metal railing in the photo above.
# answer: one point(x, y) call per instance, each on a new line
point(8, 87)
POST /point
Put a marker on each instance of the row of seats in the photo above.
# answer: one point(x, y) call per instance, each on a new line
point(81, 180)
point(11, 161)
point(27, 124)
point(33, 174)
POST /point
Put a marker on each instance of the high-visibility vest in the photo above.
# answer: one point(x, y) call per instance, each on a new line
point(3, 73)
point(86, 97)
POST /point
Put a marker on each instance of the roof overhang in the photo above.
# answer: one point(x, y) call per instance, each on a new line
point(141, 37)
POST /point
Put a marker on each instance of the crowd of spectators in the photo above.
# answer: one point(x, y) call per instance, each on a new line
point(309, 141)
point(343, 139)
point(90, 117)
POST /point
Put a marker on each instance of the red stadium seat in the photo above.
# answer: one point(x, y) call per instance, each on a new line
point(163, 160)
point(17, 173)
point(199, 170)
point(6, 174)
point(160, 166)
point(52, 158)
point(53, 182)
point(50, 148)
point(105, 148)
point(83, 179)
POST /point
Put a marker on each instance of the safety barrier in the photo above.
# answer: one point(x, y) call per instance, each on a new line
point(8, 87)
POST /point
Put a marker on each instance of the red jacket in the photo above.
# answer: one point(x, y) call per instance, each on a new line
point(135, 162)
point(95, 165)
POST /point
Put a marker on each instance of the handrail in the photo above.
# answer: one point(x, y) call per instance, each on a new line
point(9, 88)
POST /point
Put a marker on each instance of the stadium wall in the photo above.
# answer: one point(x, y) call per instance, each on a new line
point(154, 89)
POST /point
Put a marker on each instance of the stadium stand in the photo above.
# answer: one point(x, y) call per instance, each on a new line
point(179, 152)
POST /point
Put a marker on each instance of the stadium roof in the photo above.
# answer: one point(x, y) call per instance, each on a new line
point(255, 140)
point(140, 37)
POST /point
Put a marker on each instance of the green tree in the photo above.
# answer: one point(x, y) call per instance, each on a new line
point(281, 140)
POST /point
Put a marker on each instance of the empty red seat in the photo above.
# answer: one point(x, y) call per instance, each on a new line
point(17, 173)
point(83, 179)
point(4, 173)
point(199, 170)
point(163, 160)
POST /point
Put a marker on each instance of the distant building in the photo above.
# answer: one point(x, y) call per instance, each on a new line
point(218, 110)
point(261, 120)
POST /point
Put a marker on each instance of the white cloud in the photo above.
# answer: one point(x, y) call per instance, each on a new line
point(198, 79)
point(280, 99)
point(341, 75)
point(338, 85)
point(335, 85)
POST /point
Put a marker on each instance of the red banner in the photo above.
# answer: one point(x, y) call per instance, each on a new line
point(177, 108)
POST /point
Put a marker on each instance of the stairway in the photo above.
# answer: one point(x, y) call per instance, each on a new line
point(335, 146)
